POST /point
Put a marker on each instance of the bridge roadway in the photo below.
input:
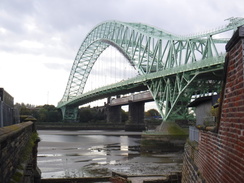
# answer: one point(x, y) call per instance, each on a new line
point(140, 82)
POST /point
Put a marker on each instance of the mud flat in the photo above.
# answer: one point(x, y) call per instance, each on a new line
point(96, 153)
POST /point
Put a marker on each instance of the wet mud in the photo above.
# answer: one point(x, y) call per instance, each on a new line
point(73, 154)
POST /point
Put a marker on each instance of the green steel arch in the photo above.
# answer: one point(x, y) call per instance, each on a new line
point(152, 52)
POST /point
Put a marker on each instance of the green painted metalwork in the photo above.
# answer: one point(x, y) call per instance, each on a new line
point(171, 66)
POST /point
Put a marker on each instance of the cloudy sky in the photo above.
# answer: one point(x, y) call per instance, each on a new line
point(39, 39)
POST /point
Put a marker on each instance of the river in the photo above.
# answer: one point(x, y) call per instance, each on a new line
point(96, 153)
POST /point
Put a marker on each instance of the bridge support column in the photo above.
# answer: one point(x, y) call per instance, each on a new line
point(136, 117)
point(70, 113)
point(114, 114)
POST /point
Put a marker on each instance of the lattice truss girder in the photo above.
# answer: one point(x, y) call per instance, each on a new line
point(148, 50)
point(173, 93)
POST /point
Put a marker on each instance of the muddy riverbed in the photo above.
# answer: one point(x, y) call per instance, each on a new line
point(98, 153)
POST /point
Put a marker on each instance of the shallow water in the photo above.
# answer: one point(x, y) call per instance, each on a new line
point(98, 153)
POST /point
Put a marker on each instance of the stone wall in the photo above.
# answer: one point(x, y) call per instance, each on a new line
point(18, 151)
point(219, 157)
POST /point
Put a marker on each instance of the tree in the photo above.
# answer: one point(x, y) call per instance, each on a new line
point(24, 109)
point(49, 113)
point(124, 116)
point(152, 113)
point(86, 114)
point(46, 113)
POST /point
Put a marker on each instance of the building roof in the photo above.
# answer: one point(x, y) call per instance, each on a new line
point(199, 101)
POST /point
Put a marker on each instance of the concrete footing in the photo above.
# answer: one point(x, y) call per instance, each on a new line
point(170, 138)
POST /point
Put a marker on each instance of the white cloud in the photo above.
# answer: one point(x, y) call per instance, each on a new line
point(2, 30)
point(28, 80)
point(30, 44)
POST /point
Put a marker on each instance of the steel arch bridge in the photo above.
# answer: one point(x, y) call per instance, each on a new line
point(173, 68)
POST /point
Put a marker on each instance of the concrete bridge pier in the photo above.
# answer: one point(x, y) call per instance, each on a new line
point(114, 114)
point(136, 117)
point(70, 113)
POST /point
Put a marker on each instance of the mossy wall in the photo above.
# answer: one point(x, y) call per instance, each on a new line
point(16, 151)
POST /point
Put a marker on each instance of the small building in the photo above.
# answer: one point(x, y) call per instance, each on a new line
point(6, 108)
point(203, 107)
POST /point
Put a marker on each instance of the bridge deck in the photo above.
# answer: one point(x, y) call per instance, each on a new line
point(139, 97)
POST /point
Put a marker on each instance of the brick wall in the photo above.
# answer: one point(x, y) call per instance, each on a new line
point(220, 156)
point(14, 154)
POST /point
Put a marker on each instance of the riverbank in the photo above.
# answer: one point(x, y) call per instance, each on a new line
point(89, 132)
point(77, 180)
point(174, 177)
point(92, 126)
point(78, 126)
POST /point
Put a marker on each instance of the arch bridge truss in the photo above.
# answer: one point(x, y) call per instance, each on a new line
point(173, 68)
